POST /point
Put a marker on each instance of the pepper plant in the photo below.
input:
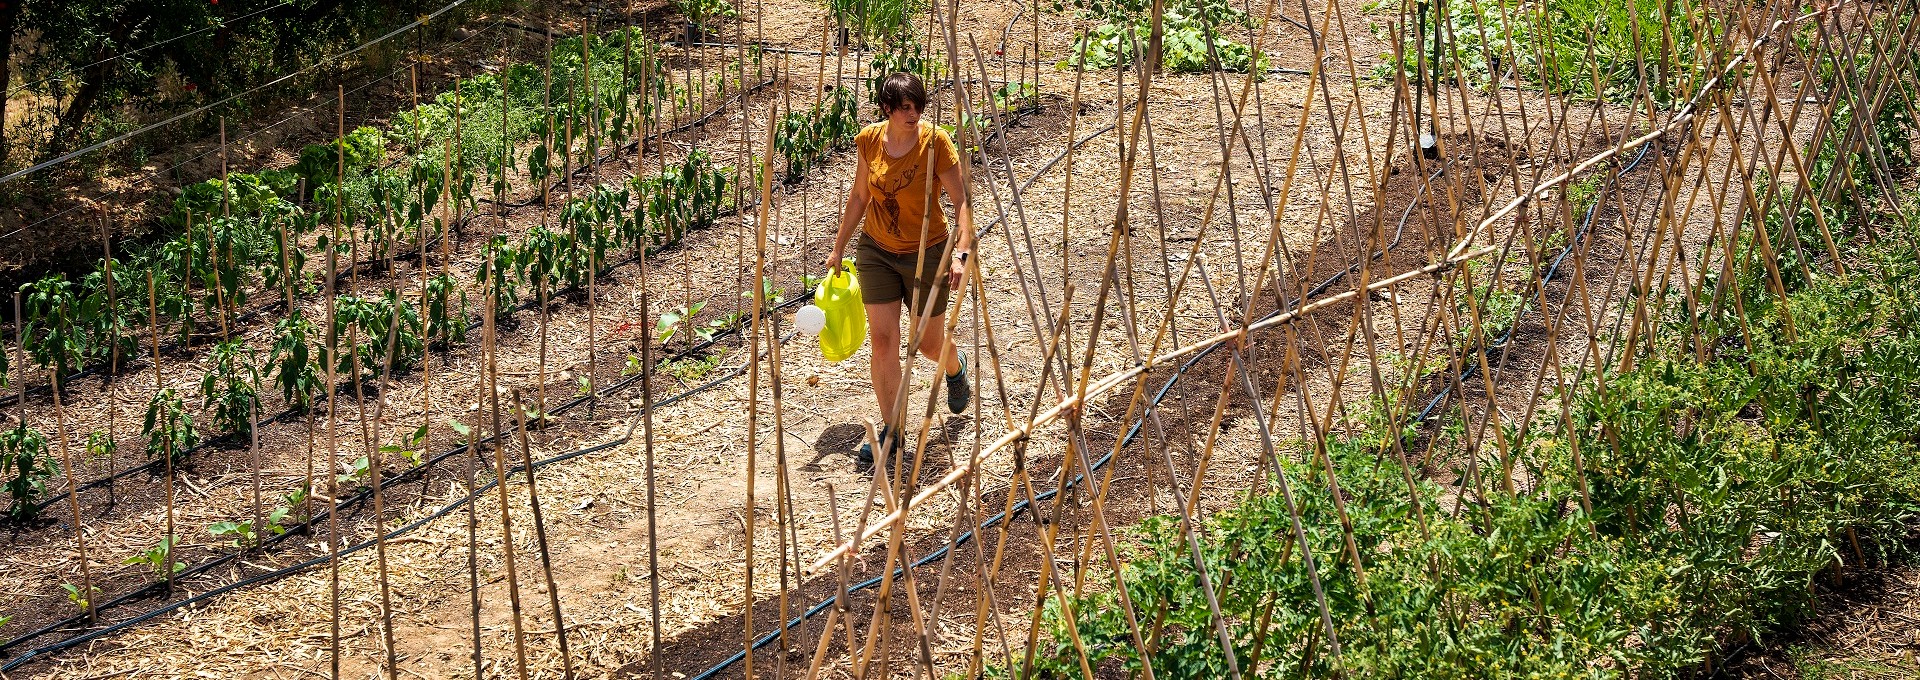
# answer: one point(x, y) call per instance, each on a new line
point(168, 427)
point(24, 469)
point(230, 387)
point(293, 360)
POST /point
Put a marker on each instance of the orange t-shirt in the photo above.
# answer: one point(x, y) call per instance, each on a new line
point(898, 192)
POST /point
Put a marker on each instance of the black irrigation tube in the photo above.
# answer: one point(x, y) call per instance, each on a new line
point(1133, 431)
point(360, 497)
point(1586, 224)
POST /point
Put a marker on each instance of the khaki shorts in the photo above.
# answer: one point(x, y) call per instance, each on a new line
point(884, 276)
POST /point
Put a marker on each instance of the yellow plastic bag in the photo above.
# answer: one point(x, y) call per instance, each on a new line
point(846, 330)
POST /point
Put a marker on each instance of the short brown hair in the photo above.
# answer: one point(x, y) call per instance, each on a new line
point(899, 89)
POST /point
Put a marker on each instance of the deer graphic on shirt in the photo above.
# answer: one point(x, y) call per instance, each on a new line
point(890, 202)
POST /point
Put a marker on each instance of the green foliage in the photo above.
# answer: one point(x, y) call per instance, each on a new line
point(24, 469)
point(1190, 29)
point(1498, 306)
point(168, 427)
point(320, 165)
point(805, 138)
point(671, 319)
point(78, 598)
point(99, 445)
point(706, 14)
point(370, 319)
point(294, 360)
point(159, 559)
point(498, 275)
point(902, 54)
point(412, 449)
point(876, 19)
point(689, 369)
point(446, 315)
point(1720, 489)
point(680, 199)
point(230, 387)
point(50, 333)
point(1588, 48)
point(243, 532)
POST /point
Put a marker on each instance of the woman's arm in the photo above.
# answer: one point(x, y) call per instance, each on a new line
point(850, 216)
point(963, 231)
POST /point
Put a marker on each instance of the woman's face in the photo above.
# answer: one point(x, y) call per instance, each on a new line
point(904, 114)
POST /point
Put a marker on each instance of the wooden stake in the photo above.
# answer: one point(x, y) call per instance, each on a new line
point(506, 515)
point(540, 536)
point(73, 489)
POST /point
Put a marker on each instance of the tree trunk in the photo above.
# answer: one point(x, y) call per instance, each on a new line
point(9, 17)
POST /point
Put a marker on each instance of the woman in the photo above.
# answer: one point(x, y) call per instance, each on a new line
point(899, 259)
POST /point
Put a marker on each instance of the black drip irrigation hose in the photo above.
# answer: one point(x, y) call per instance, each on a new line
point(1586, 224)
point(1133, 431)
point(405, 476)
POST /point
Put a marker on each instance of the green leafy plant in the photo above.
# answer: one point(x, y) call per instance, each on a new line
point(78, 598)
point(680, 199)
point(498, 275)
point(371, 318)
point(411, 449)
point(230, 387)
point(168, 427)
point(354, 474)
point(50, 332)
point(706, 14)
point(293, 360)
point(242, 532)
point(446, 316)
point(99, 445)
point(805, 138)
point(159, 559)
point(1194, 37)
point(671, 320)
point(24, 469)
point(689, 369)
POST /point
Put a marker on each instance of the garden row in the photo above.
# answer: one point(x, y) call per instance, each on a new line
point(1683, 506)
point(244, 236)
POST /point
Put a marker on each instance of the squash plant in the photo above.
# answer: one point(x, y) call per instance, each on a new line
point(168, 427)
point(230, 387)
point(24, 469)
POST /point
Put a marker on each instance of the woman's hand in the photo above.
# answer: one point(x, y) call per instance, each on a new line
point(957, 271)
point(834, 261)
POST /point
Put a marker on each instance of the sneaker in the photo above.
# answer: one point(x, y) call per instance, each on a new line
point(863, 458)
point(959, 391)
